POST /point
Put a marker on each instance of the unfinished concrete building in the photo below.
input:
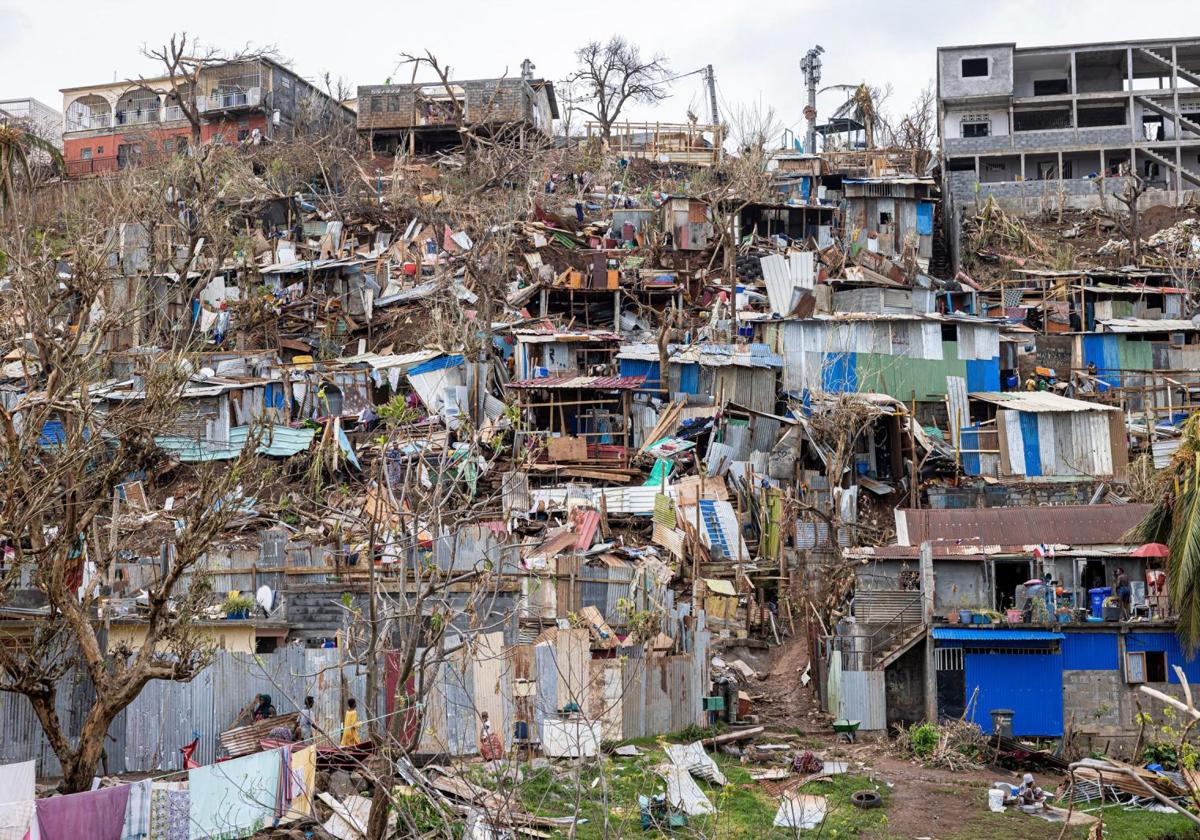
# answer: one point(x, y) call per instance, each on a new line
point(1062, 124)
point(424, 117)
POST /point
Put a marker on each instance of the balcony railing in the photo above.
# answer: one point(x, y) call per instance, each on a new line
point(224, 99)
point(92, 166)
point(172, 113)
point(139, 116)
point(89, 123)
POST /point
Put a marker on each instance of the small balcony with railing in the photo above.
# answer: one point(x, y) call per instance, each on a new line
point(233, 87)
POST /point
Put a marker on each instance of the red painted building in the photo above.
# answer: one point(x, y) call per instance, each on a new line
point(111, 126)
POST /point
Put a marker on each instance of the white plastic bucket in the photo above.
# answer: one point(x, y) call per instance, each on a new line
point(996, 799)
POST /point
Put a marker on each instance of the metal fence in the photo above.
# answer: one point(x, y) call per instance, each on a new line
point(146, 736)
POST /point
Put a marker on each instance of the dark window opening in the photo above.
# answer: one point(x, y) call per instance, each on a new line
point(885, 218)
point(242, 134)
point(910, 580)
point(976, 129)
point(266, 644)
point(1100, 117)
point(949, 332)
point(1046, 119)
point(1050, 87)
point(376, 104)
point(973, 67)
point(1156, 666)
point(960, 165)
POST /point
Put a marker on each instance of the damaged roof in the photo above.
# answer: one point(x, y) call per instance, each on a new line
point(1063, 524)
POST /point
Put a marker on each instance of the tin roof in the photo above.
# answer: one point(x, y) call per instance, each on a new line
point(1038, 401)
point(1059, 524)
point(964, 634)
point(597, 383)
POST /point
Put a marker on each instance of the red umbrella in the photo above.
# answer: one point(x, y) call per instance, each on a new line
point(1150, 550)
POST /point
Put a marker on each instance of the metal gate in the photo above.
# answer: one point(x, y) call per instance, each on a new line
point(1031, 684)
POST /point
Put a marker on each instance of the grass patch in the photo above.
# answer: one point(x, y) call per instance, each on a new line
point(743, 808)
point(1119, 824)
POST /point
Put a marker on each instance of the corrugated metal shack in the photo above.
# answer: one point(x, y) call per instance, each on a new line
point(895, 354)
point(1041, 434)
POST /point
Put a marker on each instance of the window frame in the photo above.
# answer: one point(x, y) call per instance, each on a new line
point(987, 67)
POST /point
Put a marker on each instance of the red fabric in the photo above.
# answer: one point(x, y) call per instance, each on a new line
point(188, 752)
point(491, 748)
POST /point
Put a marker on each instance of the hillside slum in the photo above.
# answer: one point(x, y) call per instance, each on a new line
point(584, 451)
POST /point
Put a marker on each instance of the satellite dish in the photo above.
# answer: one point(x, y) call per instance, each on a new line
point(265, 597)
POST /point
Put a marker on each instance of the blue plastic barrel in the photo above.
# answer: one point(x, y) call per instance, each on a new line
point(1098, 596)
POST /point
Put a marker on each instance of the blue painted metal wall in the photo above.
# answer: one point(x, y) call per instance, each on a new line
point(689, 378)
point(1169, 643)
point(1090, 652)
point(925, 218)
point(1029, 684)
point(840, 372)
point(641, 367)
point(983, 374)
point(1103, 350)
point(1029, 436)
point(970, 440)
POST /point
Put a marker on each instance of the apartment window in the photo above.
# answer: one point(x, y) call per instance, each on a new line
point(128, 154)
point(976, 125)
point(99, 150)
point(376, 104)
point(974, 67)
point(85, 153)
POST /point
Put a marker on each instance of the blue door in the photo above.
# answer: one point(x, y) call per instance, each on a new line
point(1028, 683)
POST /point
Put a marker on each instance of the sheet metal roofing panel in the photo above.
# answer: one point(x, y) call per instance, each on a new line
point(964, 634)
point(1061, 524)
point(1036, 401)
point(597, 383)
point(1147, 325)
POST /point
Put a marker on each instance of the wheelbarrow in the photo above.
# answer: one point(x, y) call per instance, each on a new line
point(846, 729)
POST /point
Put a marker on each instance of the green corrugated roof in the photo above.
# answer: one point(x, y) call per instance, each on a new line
point(277, 441)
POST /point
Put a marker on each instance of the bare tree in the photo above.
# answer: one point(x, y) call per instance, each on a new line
point(67, 452)
point(614, 74)
point(184, 61)
point(1131, 223)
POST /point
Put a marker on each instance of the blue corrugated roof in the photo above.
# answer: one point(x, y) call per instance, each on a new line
point(440, 363)
point(972, 635)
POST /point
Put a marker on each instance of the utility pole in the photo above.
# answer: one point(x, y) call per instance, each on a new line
point(711, 81)
point(811, 67)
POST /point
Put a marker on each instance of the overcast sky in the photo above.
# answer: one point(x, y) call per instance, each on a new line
point(754, 48)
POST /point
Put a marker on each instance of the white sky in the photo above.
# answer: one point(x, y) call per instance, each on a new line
point(755, 47)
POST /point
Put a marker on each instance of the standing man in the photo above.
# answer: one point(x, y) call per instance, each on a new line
point(1124, 593)
point(304, 721)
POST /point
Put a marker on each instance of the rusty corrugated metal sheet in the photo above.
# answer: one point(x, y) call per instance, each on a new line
point(599, 383)
point(1064, 524)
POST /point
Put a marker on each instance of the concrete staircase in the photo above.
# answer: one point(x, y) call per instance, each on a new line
point(1180, 71)
point(1184, 173)
point(1168, 114)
